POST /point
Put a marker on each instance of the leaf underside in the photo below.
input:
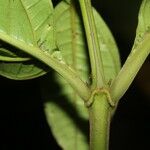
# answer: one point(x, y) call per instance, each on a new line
point(143, 21)
point(29, 22)
point(65, 112)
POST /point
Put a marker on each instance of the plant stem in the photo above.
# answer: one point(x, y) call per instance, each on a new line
point(131, 67)
point(93, 44)
point(99, 114)
point(13, 59)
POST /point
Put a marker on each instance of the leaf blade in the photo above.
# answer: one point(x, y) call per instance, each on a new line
point(108, 48)
point(26, 21)
point(72, 137)
point(143, 21)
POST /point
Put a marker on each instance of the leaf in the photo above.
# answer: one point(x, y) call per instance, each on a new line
point(67, 1)
point(143, 21)
point(21, 71)
point(108, 48)
point(16, 65)
point(29, 22)
point(64, 109)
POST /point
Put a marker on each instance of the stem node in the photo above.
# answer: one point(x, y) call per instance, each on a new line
point(104, 91)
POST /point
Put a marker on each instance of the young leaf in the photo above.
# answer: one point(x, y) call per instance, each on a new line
point(143, 21)
point(29, 22)
point(70, 40)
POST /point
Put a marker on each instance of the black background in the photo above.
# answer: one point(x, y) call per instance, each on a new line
point(22, 121)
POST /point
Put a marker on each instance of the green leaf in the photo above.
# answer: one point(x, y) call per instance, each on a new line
point(22, 71)
point(64, 109)
point(108, 48)
point(143, 21)
point(29, 22)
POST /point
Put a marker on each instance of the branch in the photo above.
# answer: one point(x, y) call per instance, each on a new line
point(130, 69)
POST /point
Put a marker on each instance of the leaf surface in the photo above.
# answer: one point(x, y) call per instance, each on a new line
point(67, 123)
point(29, 22)
point(108, 48)
point(143, 21)
point(65, 111)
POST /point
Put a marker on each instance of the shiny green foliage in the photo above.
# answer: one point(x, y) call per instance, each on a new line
point(29, 22)
point(108, 48)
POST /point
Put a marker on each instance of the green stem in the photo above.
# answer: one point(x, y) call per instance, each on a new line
point(68, 73)
point(13, 59)
point(93, 44)
point(99, 114)
point(131, 67)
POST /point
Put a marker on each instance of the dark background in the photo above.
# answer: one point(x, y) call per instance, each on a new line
point(22, 121)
